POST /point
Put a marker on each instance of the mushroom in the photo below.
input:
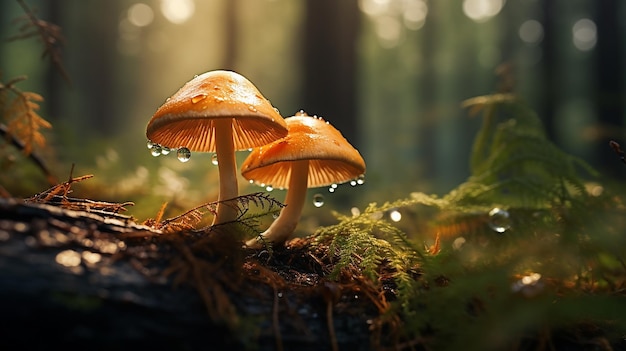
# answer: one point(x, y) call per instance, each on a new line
point(313, 154)
point(218, 111)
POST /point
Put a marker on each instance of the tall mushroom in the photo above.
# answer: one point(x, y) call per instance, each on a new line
point(218, 111)
point(313, 154)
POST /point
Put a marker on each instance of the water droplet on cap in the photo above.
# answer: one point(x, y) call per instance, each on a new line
point(499, 220)
point(301, 113)
point(269, 188)
point(165, 150)
point(196, 99)
point(183, 154)
point(214, 159)
point(318, 200)
point(150, 144)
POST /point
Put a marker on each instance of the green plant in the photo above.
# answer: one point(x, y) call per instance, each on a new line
point(525, 257)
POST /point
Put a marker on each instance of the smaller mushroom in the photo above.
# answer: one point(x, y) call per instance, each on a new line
point(313, 154)
point(222, 112)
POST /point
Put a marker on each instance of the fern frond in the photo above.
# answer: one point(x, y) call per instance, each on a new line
point(192, 218)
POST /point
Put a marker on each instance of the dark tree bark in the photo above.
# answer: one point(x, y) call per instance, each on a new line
point(54, 293)
point(329, 61)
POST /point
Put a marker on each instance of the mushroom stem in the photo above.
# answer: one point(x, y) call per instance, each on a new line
point(282, 228)
point(225, 150)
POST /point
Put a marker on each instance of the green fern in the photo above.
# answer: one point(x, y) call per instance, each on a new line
point(514, 163)
point(459, 294)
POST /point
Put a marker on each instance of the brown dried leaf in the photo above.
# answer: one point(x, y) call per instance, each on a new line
point(24, 123)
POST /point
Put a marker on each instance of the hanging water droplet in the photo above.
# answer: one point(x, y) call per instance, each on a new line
point(395, 215)
point(150, 144)
point(318, 200)
point(499, 220)
point(353, 182)
point(156, 150)
point(165, 150)
point(214, 159)
point(196, 99)
point(183, 154)
point(331, 190)
point(361, 179)
point(252, 108)
point(251, 181)
point(301, 113)
point(269, 188)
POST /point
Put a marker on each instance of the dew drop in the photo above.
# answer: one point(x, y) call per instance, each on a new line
point(251, 181)
point(214, 159)
point(355, 211)
point(331, 190)
point(150, 144)
point(183, 154)
point(395, 215)
point(301, 113)
point(353, 182)
point(360, 180)
point(196, 99)
point(156, 150)
point(165, 150)
point(269, 188)
point(318, 200)
point(252, 108)
point(499, 220)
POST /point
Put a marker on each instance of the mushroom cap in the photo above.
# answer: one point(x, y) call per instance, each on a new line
point(186, 118)
point(332, 160)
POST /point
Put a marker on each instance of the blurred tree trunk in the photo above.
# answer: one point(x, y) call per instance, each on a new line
point(54, 78)
point(97, 67)
point(230, 46)
point(329, 58)
point(609, 75)
point(548, 67)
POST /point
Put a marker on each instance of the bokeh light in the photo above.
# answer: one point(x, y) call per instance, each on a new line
point(178, 11)
point(584, 34)
point(140, 15)
point(482, 10)
point(531, 32)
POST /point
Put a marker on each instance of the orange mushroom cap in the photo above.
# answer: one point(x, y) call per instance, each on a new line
point(187, 118)
point(332, 160)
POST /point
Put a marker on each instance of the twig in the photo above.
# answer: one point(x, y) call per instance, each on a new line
point(50, 35)
point(52, 180)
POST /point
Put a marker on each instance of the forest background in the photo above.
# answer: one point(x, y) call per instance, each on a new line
point(389, 74)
